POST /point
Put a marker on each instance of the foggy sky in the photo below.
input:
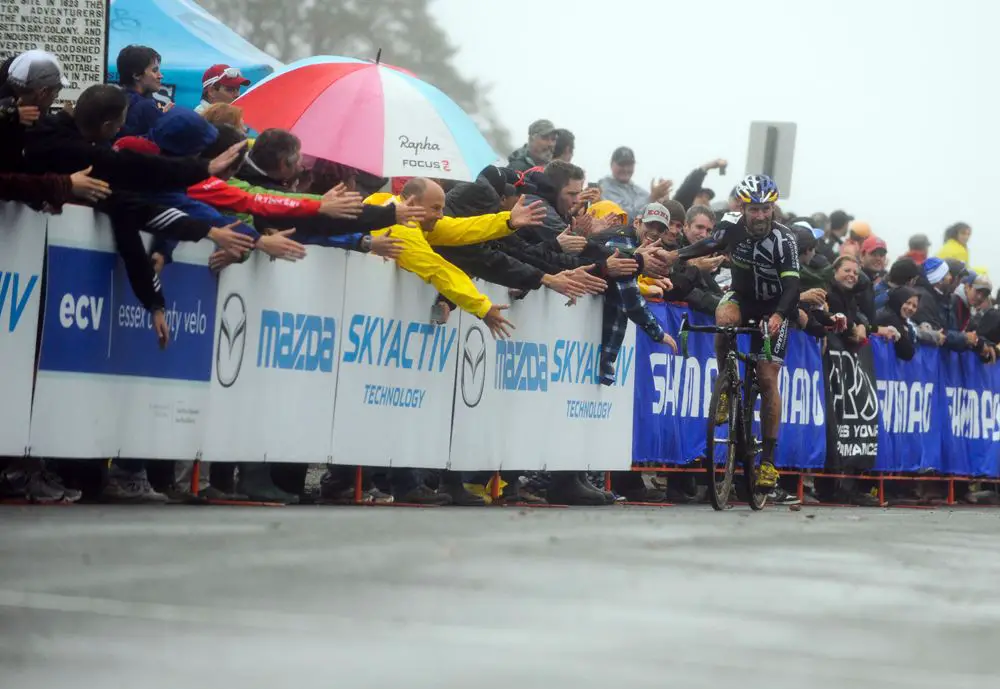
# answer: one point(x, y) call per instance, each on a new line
point(894, 101)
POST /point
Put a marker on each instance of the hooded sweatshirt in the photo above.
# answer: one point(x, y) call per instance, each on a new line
point(891, 316)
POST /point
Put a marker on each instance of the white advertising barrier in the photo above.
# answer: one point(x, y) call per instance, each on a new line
point(104, 387)
point(535, 402)
point(274, 368)
point(397, 372)
point(22, 247)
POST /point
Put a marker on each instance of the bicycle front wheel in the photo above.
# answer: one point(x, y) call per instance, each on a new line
point(723, 436)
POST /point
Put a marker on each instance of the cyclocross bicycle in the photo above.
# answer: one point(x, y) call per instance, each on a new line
point(739, 443)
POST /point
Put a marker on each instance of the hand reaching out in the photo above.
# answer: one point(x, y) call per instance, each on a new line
point(669, 341)
point(621, 267)
point(387, 246)
point(160, 328)
point(279, 245)
point(229, 239)
point(225, 160)
point(526, 215)
point(409, 212)
point(27, 115)
point(89, 188)
point(497, 324)
point(571, 243)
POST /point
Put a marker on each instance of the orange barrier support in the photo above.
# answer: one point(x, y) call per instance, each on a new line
point(951, 491)
point(195, 477)
point(607, 480)
point(357, 485)
point(495, 488)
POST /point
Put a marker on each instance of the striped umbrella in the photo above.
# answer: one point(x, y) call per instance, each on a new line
point(370, 116)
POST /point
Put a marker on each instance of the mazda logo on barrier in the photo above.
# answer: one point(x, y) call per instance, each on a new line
point(232, 340)
point(473, 378)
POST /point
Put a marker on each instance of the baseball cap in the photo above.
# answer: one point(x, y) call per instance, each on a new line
point(840, 219)
point(656, 212)
point(707, 192)
point(137, 144)
point(36, 69)
point(804, 237)
point(229, 77)
point(183, 132)
point(624, 155)
point(983, 283)
point(956, 267)
point(541, 128)
point(873, 244)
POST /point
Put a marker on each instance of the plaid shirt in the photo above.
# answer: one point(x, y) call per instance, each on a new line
point(624, 302)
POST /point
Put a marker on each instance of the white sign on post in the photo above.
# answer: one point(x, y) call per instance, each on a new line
point(104, 387)
point(535, 402)
point(22, 247)
point(274, 369)
point(397, 371)
point(75, 31)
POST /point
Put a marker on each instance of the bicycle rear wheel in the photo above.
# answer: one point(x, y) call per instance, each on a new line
point(751, 447)
point(723, 449)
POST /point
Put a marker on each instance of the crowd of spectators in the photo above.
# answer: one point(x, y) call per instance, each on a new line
point(185, 175)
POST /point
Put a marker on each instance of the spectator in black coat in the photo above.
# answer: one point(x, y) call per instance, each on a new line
point(897, 314)
point(842, 297)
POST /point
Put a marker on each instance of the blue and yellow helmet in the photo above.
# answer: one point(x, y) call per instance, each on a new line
point(757, 189)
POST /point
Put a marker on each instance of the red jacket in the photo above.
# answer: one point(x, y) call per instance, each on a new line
point(215, 192)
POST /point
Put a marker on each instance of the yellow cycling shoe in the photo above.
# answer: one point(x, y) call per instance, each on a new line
point(767, 477)
point(722, 412)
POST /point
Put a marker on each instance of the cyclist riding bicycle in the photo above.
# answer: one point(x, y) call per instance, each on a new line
point(765, 288)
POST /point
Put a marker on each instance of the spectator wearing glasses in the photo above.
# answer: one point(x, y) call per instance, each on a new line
point(220, 84)
point(140, 76)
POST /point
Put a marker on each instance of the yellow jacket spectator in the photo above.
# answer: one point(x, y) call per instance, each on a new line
point(956, 243)
point(419, 257)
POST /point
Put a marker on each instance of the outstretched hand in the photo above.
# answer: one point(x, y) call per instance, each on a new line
point(526, 215)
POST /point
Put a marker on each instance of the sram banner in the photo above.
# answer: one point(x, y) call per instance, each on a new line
point(535, 402)
point(22, 245)
point(673, 395)
point(274, 364)
point(397, 371)
point(104, 387)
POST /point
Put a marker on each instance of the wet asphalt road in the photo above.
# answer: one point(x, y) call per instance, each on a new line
point(192, 597)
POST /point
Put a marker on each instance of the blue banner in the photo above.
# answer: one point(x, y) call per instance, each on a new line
point(672, 395)
point(94, 324)
point(911, 421)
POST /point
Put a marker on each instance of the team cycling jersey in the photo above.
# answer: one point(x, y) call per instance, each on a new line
point(765, 271)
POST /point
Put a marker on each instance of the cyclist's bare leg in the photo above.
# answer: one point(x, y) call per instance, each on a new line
point(727, 314)
point(770, 407)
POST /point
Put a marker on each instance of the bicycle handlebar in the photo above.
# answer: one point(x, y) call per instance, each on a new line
point(730, 330)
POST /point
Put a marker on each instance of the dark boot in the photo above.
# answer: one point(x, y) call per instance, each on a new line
point(255, 482)
point(567, 488)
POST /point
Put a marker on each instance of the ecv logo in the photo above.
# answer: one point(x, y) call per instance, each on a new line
point(295, 341)
point(14, 296)
point(83, 312)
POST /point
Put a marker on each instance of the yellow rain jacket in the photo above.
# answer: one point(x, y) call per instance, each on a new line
point(954, 249)
point(419, 257)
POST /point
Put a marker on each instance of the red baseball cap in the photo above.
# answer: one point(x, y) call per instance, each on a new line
point(229, 77)
point(137, 144)
point(873, 243)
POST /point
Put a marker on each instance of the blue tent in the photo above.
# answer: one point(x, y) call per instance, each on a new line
point(189, 39)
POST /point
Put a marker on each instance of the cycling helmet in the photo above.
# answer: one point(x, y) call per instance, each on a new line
point(757, 189)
